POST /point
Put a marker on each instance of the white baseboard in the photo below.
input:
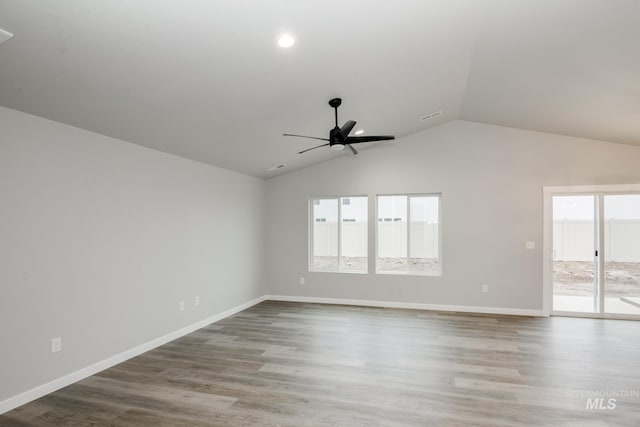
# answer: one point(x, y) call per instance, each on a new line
point(409, 305)
point(50, 387)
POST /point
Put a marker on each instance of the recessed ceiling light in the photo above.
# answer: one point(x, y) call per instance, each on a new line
point(4, 35)
point(286, 40)
point(280, 166)
point(359, 131)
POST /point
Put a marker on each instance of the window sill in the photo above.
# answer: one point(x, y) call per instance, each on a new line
point(409, 273)
point(338, 271)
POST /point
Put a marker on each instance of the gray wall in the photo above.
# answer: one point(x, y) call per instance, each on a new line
point(491, 181)
point(100, 239)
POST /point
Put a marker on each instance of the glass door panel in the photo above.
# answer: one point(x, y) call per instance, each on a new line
point(622, 254)
point(575, 287)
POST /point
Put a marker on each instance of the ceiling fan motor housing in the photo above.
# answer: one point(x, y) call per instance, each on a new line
point(336, 139)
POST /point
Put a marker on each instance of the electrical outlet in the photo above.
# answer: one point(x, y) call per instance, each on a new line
point(485, 288)
point(181, 305)
point(197, 301)
point(302, 280)
point(530, 245)
point(56, 345)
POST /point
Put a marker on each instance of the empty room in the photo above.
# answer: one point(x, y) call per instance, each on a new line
point(320, 213)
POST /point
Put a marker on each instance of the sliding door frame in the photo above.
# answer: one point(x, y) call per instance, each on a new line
point(547, 243)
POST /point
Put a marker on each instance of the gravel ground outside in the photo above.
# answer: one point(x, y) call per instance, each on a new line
point(622, 279)
point(385, 264)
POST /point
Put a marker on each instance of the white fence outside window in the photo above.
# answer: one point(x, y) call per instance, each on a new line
point(424, 239)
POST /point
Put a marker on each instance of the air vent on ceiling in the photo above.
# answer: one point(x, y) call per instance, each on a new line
point(4, 36)
point(430, 116)
point(280, 166)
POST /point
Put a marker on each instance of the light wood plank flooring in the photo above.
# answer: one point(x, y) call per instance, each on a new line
point(293, 364)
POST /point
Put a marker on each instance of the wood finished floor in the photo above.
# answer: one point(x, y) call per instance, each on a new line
point(293, 364)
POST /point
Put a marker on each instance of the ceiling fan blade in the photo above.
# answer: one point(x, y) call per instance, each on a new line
point(353, 150)
point(313, 148)
point(359, 139)
point(346, 129)
point(305, 136)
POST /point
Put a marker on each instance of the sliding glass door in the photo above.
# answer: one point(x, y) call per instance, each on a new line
point(622, 254)
point(575, 283)
point(596, 255)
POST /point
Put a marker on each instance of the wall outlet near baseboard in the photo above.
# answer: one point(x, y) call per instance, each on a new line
point(56, 345)
point(181, 305)
point(302, 280)
point(485, 288)
point(530, 244)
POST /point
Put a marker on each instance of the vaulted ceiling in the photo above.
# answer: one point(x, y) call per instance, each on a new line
point(206, 80)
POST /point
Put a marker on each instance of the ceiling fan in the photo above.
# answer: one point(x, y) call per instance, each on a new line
point(339, 136)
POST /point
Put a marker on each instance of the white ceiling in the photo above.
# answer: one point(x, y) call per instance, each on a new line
point(206, 80)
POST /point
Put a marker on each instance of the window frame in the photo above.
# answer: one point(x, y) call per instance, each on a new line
point(310, 239)
point(439, 272)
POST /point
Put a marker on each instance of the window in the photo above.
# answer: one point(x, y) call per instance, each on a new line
point(338, 235)
point(408, 235)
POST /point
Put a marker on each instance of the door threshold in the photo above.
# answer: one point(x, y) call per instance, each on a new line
point(609, 316)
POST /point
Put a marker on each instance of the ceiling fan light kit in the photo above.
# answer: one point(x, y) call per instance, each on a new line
point(339, 136)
